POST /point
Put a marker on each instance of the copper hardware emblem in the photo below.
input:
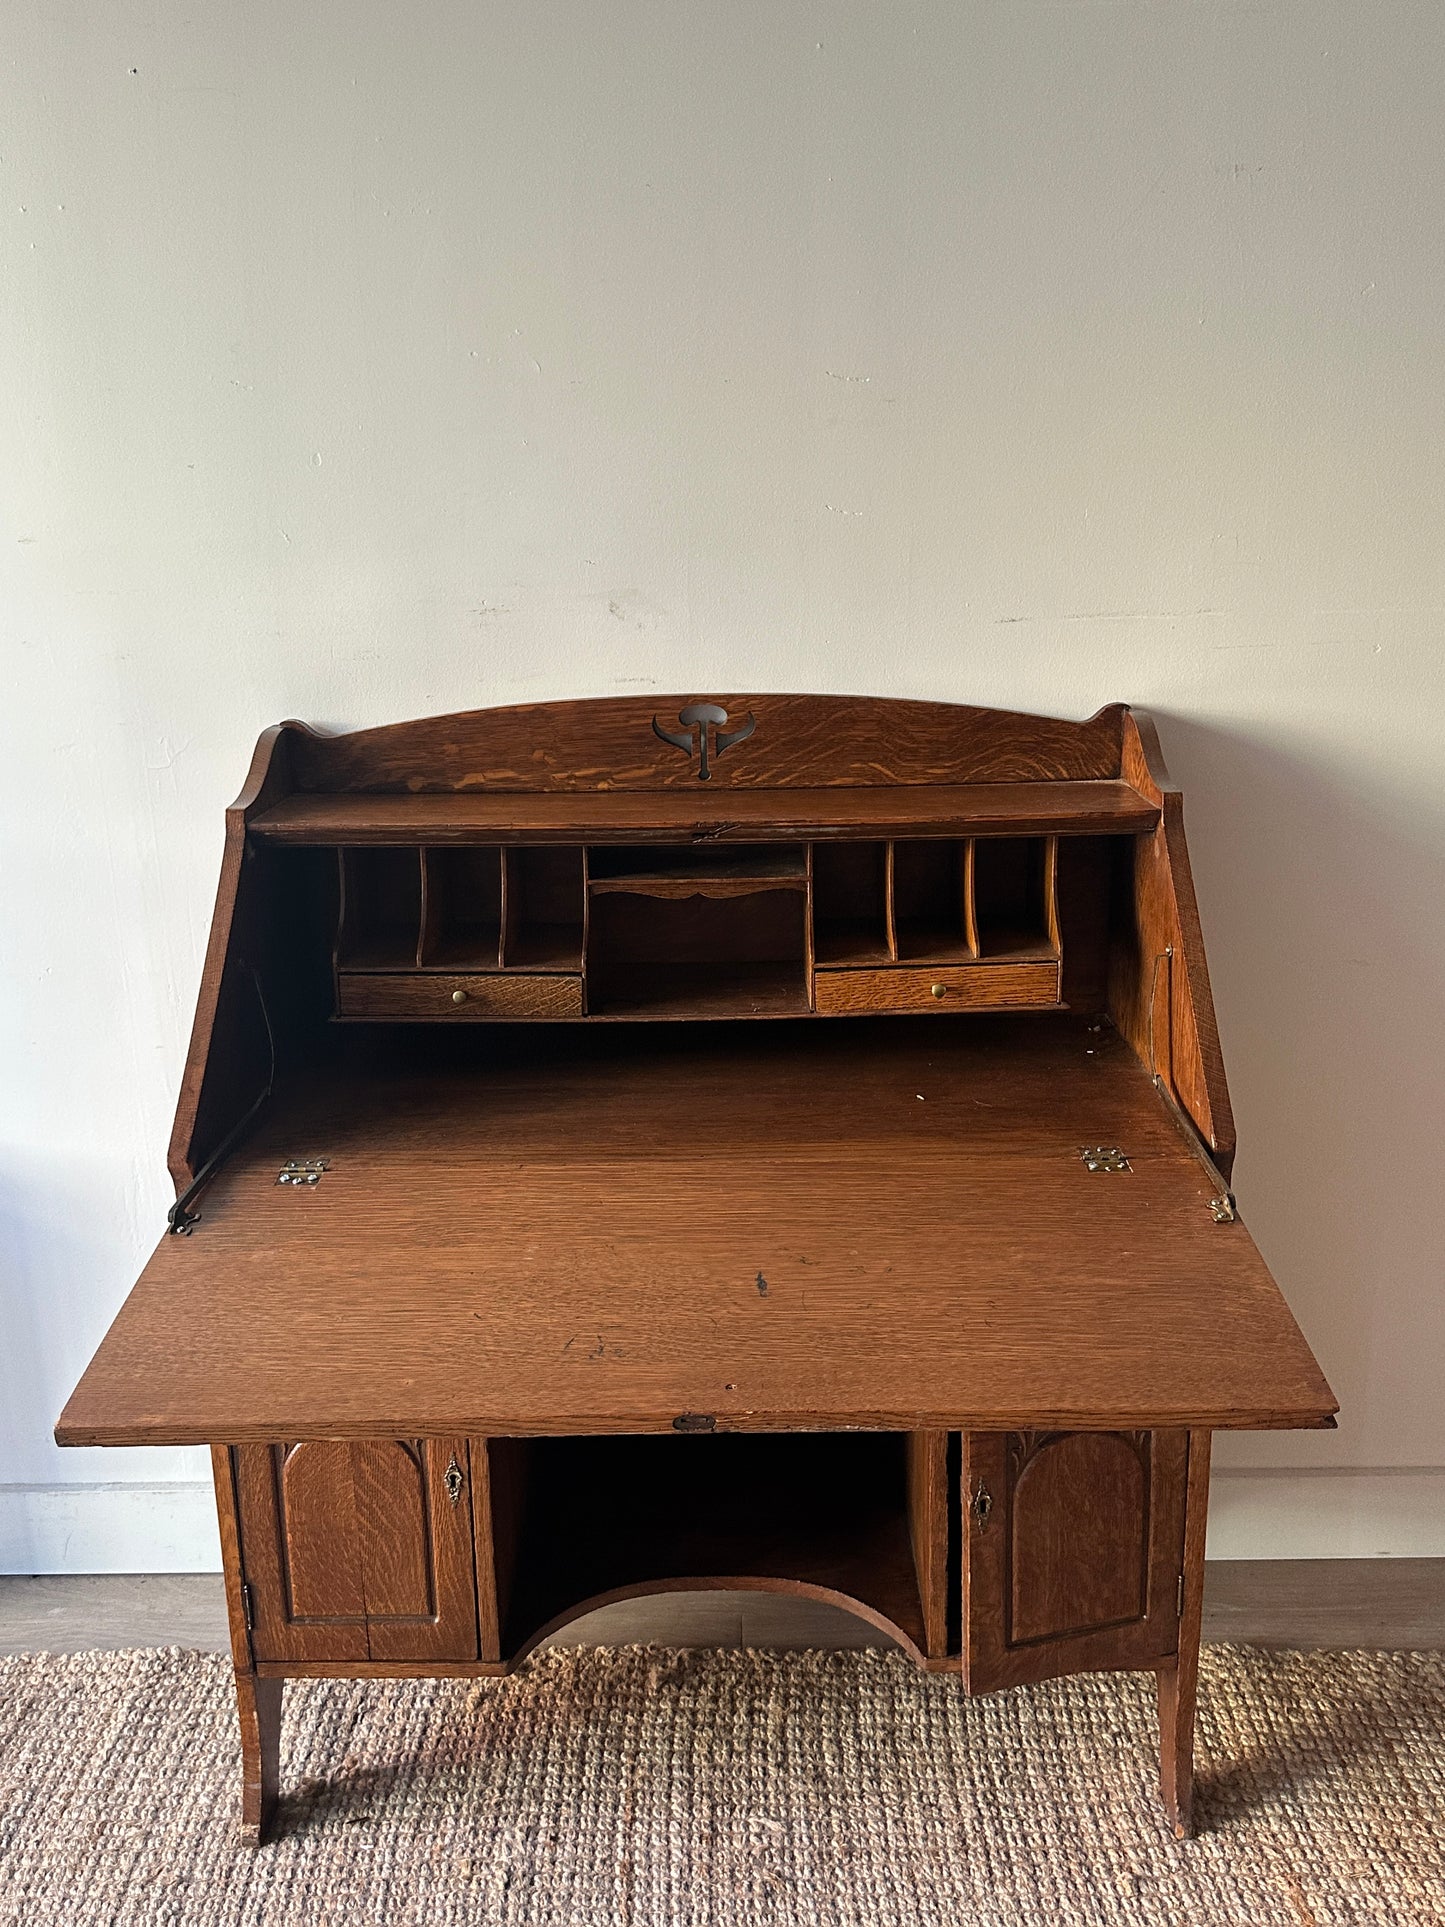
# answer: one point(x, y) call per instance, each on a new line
point(701, 717)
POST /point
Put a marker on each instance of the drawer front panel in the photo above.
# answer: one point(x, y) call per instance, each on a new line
point(1020, 986)
point(455, 998)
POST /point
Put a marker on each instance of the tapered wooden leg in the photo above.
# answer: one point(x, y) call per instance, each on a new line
point(259, 1704)
point(1179, 1677)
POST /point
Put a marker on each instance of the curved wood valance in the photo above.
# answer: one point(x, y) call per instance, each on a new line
point(752, 742)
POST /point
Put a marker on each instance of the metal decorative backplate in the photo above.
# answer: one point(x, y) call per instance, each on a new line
point(692, 739)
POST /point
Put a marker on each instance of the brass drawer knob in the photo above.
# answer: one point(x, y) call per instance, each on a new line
point(939, 990)
point(459, 996)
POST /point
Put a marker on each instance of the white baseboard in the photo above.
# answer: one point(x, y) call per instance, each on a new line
point(1390, 1512)
point(162, 1526)
point(170, 1526)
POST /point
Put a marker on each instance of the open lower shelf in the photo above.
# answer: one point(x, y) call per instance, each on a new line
point(685, 990)
point(806, 1512)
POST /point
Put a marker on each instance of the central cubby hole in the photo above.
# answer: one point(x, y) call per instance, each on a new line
point(929, 901)
point(1013, 894)
point(463, 928)
point(697, 931)
point(579, 1517)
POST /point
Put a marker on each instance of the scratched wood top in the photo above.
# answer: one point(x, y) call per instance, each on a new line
point(1101, 808)
point(777, 1226)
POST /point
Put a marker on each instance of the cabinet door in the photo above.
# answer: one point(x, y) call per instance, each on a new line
point(1073, 1546)
point(358, 1551)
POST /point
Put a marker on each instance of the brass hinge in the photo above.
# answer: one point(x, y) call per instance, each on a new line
point(1179, 1608)
point(305, 1171)
point(246, 1607)
point(1104, 1157)
point(1222, 1207)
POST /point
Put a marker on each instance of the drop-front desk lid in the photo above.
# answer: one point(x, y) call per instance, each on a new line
point(758, 1226)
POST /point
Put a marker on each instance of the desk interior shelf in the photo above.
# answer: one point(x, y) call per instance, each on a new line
point(724, 929)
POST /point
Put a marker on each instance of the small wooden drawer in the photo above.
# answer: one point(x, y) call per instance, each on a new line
point(985, 986)
point(428, 994)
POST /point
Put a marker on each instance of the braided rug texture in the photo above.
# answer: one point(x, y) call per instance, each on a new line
point(642, 1788)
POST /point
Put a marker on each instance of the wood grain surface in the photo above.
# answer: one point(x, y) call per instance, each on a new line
point(797, 742)
point(452, 996)
point(939, 988)
point(1159, 990)
point(574, 1242)
point(929, 1506)
point(1074, 1566)
point(1099, 807)
point(1178, 1683)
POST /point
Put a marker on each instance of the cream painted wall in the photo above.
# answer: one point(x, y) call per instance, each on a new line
point(364, 361)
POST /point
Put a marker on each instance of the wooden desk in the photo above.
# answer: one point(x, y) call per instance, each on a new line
point(570, 1294)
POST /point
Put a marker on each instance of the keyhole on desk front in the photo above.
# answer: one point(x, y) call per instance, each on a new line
point(982, 1505)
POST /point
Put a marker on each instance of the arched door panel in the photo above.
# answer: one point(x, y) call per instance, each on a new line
point(356, 1551)
point(1073, 1547)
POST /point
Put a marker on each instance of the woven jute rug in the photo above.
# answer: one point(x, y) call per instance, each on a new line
point(662, 1789)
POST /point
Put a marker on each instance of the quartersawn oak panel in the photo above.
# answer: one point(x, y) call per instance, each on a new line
point(1103, 807)
point(798, 742)
point(357, 1551)
point(1073, 1546)
point(573, 1242)
point(301, 1552)
point(974, 986)
point(433, 995)
point(321, 1532)
point(1078, 1520)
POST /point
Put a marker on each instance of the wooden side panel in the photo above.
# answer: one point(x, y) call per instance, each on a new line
point(1073, 1544)
point(1179, 1677)
point(213, 1095)
point(489, 1629)
point(928, 1533)
point(223, 1475)
point(509, 1474)
point(794, 742)
point(1159, 994)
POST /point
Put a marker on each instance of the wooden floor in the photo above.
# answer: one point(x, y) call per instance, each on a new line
point(1397, 1603)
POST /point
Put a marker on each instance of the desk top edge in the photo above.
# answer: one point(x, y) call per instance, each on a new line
point(1099, 807)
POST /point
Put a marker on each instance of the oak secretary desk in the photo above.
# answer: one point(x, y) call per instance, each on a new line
point(517, 1265)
